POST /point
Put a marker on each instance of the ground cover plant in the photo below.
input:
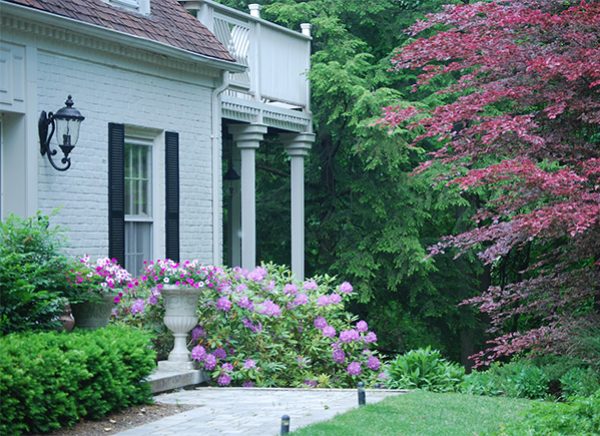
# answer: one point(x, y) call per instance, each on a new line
point(262, 327)
point(52, 380)
point(425, 413)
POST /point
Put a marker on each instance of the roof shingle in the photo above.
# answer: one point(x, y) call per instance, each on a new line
point(168, 23)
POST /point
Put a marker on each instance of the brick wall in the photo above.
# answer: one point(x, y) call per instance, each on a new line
point(107, 90)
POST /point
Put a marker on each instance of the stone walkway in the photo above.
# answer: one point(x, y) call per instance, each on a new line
point(256, 411)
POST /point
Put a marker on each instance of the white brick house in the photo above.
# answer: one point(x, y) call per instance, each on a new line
point(157, 88)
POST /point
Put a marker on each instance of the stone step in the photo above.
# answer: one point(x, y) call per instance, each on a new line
point(162, 380)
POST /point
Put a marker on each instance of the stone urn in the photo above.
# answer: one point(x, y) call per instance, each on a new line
point(93, 314)
point(180, 318)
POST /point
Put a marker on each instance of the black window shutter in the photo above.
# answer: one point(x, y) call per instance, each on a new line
point(172, 193)
point(116, 192)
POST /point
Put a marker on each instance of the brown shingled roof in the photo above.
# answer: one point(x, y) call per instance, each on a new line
point(168, 23)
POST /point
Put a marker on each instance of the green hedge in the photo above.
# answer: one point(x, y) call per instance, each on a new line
point(52, 380)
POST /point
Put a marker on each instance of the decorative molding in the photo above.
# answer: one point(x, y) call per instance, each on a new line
point(102, 44)
point(250, 111)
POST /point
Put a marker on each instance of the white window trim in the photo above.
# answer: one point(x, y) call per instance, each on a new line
point(156, 139)
point(140, 6)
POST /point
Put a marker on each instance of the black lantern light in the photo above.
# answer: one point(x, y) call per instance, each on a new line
point(66, 122)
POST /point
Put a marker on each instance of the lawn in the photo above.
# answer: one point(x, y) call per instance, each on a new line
point(424, 413)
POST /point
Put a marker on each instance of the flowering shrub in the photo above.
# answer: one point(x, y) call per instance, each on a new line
point(262, 328)
point(88, 280)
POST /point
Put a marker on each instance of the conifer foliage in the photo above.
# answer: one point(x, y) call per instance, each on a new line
point(522, 133)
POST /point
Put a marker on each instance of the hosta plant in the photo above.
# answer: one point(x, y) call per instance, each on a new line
point(425, 369)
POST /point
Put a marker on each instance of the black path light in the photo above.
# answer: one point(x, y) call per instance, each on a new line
point(66, 123)
point(362, 395)
point(285, 425)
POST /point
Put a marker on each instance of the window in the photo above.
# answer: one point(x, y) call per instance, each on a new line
point(140, 6)
point(138, 203)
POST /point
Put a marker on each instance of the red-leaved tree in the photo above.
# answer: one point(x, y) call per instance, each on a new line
point(525, 128)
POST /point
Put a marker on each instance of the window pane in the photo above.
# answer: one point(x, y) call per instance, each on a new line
point(138, 245)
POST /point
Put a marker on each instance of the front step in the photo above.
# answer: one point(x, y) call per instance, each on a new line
point(161, 380)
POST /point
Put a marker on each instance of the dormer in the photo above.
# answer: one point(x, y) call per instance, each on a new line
point(139, 6)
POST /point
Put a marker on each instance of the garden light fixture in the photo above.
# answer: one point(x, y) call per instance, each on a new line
point(66, 123)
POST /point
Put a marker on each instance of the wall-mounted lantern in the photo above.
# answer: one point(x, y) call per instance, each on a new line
point(66, 122)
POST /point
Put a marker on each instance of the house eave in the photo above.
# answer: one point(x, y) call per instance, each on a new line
point(93, 30)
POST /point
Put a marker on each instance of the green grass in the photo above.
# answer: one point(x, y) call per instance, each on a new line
point(424, 413)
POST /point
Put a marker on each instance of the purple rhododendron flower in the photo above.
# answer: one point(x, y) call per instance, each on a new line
point(210, 361)
point(346, 288)
point(323, 300)
point(224, 304)
point(370, 337)
point(137, 306)
point(227, 367)
point(290, 289)
point(335, 299)
point(241, 288)
point(329, 332)
point(362, 326)
point(224, 380)
point(198, 333)
point(248, 384)
point(338, 355)
point(249, 364)
point(373, 363)
point(310, 285)
point(245, 303)
point(354, 368)
point(269, 286)
point(220, 353)
point(300, 299)
point(198, 353)
point(311, 383)
point(320, 322)
point(152, 300)
point(382, 376)
point(349, 335)
point(270, 309)
point(257, 275)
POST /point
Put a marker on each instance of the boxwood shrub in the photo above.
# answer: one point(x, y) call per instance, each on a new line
point(52, 380)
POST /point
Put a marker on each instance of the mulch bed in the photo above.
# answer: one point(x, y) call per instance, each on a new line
point(126, 419)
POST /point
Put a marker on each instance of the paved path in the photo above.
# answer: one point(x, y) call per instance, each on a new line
point(248, 412)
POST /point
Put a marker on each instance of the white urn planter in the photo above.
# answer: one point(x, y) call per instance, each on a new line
point(180, 318)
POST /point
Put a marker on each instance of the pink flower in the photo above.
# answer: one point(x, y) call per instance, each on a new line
point(323, 300)
point(370, 337)
point(349, 335)
point(373, 363)
point(270, 309)
point(329, 332)
point(227, 367)
point(224, 380)
point(354, 369)
point(300, 300)
point(210, 362)
point(362, 326)
point(224, 304)
point(310, 285)
point(320, 322)
point(249, 364)
point(290, 289)
point(199, 353)
point(137, 306)
point(346, 288)
point(338, 355)
point(335, 299)
point(257, 275)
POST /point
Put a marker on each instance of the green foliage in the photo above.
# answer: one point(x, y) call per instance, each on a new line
point(52, 380)
point(31, 274)
point(367, 219)
point(579, 382)
point(424, 369)
point(580, 417)
point(519, 379)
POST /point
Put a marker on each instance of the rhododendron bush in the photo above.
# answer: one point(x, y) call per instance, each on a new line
point(261, 327)
point(522, 136)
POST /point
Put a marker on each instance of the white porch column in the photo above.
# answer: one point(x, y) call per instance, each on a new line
point(297, 146)
point(247, 138)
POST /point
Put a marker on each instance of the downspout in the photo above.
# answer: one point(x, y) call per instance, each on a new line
point(215, 136)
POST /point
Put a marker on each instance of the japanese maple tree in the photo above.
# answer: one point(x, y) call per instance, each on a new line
point(523, 133)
